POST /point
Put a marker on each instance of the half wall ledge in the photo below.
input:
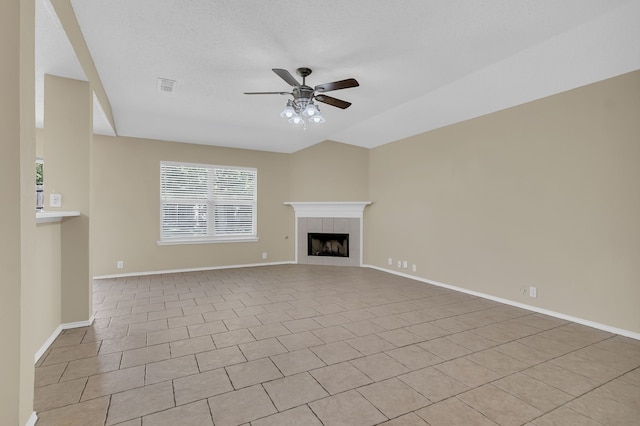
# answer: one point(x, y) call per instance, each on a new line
point(54, 215)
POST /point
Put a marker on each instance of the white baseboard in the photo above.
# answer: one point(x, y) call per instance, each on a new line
point(176, 271)
point(588, 323)
point(57, 332)
point(78, 324)
point(32, 420)
point(48, 343)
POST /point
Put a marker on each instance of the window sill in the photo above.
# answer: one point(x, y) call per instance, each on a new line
point(216, 240)
point(54, 216)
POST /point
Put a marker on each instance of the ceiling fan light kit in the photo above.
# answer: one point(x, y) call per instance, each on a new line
point(297, 115)
point(301, 109)
point(288, 110)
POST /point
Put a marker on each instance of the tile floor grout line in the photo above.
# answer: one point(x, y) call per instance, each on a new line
point(314, 413)
point(210, 410)
point(374, 405)
point(106, 414)
point(173, 393)
point(316, 380)
point(270, 398)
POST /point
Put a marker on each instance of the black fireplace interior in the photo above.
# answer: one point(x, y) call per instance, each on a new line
point(320, 244)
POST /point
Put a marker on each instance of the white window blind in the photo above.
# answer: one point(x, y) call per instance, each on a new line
point(204, 202)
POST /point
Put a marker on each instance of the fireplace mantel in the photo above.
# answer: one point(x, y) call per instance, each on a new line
point(329, 208)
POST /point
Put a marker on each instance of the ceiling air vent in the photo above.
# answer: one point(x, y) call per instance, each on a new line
point(166, 86)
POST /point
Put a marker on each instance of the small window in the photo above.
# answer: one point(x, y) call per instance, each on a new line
point(205, 203)
point(39, 184)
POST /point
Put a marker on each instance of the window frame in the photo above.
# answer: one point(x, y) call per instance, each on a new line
point(211, 201)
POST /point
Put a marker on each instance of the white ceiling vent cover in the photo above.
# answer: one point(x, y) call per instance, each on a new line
point(166, 85)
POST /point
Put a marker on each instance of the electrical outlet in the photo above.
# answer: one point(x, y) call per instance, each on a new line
point(264, 255)
point(399, 264)
point(390, 261)
point(55, 200)
point(413, 267)
point(120, 264)
point(405, 264)
point(533, 292)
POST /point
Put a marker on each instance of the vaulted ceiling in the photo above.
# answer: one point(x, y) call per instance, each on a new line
point(421, 64)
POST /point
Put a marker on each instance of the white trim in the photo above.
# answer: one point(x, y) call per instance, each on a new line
point(57, 332)
point(350, 209)
point(209, 240)
point(208, 166)
point(48, 343)
point(175, 271)
point(295, 240)
point(588, 323)
point(78, 324)
point(32, 420)
point(361, 240)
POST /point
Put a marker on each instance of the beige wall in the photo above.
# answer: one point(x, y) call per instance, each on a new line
point(10, 243)
point(17, 220)
point(330, 171)
point(28, 314)
point(68, 134)
point(126, 209)
point(47, 302)
point(48, 284)
point(544, 194)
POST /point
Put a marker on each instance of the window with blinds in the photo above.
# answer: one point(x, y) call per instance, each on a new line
point(201, 202)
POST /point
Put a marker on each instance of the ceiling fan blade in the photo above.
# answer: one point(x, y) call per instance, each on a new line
point(286, 76)
point(268, 93)
point(337, 85)
point(333, 101)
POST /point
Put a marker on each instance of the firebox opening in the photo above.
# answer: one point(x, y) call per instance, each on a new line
point(335, 245)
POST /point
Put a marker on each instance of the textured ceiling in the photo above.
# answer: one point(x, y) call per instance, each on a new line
point(421, 64)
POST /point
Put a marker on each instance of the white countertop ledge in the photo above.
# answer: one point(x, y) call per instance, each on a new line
point(54, 216)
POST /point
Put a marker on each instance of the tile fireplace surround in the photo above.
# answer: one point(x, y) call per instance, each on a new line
point(329, 217)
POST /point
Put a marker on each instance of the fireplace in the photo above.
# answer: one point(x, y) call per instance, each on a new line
point(327, 244)
point(337, 227)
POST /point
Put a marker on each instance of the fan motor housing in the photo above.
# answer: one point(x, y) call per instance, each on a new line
point(302, 95)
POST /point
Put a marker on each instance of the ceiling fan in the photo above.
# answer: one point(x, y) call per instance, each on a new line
point(302, 106)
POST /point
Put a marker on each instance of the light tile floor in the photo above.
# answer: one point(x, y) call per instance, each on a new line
point(320, 345)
